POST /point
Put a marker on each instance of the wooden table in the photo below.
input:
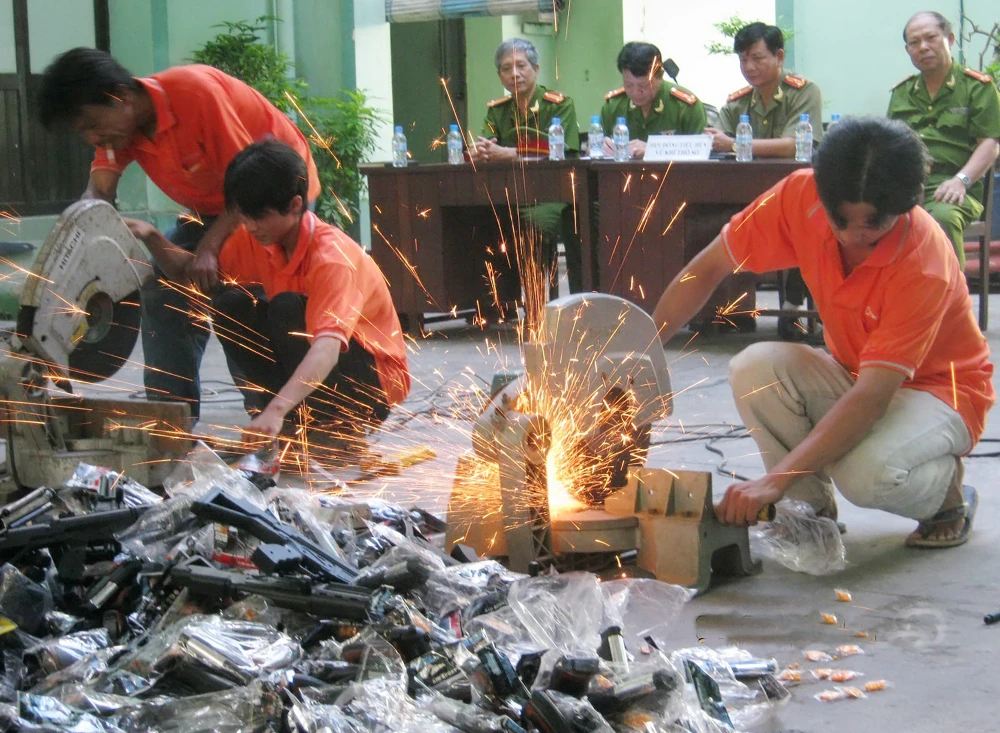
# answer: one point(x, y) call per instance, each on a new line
point(652, 222)
point(432, 226)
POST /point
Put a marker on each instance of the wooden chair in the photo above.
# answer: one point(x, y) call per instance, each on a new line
point(983, 231)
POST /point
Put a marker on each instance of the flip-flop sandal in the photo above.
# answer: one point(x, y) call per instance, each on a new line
point(965, 510)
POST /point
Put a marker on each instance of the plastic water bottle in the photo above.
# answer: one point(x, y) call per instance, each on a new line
point(398, 148)
point(595, 139)
point(804, 140)
point(557, 140)
point(834, 119)
point(455, 146)
point(744, 140)
point(620, 139)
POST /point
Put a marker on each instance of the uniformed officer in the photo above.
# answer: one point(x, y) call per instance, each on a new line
point(649, 104)
point(517, 126)
point(774, 100)
point(956, 112)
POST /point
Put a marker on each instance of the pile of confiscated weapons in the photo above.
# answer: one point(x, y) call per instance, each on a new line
point(235, 606)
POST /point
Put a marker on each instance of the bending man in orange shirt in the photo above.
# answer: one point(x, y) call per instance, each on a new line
point(903, 393)
point(182, 126)
point(324, 331)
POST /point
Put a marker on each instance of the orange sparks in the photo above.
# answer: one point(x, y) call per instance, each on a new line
point(687, 276)
point(747, 218)
point(954, 387)
point(674, 218)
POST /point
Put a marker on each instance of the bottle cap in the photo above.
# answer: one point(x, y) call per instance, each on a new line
point(744, 118)
point(804, 117)
point(595, 119)
point(453, 128)
point(399, 128)
point(835, 117)
point(621, 120)
point(556, 121)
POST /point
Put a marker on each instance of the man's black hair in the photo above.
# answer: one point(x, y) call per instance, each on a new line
point(265, 177)
point(943, 23)
point(748, 35)
point(871, 160)
point(78, 77)
point(641, 59)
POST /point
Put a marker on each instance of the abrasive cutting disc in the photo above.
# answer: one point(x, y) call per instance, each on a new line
point(109, 340)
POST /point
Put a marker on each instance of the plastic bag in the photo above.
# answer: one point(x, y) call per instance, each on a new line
point(643, 607)
point(50, 714)
point(203, 471)
point(383, 705)
point(85, 670)
point(240, 710)
point(88, 478)
point(160, 529)
point(22, 600)
point(237, 650)
point(304, 511)
point(799, 540)
point(561, 612)
point(52, 655)
point(306, 716)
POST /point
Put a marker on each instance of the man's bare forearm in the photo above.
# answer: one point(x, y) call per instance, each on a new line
point(782, 147)
point(982, 158)
point(217, 234)
point(691, 288)
point(319, 361)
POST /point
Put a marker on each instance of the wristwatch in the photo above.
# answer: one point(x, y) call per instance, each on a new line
point(964, 179)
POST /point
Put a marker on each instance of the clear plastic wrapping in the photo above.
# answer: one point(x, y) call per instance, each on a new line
point(22, 600)
point(52, 655)
point(799, 540)
point(255, 707)
point(204, 470)
point(90, 478)
point(562, 612)
point(642, 608)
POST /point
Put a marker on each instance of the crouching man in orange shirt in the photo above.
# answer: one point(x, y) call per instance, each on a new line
point(325, 333)
point(902, 394)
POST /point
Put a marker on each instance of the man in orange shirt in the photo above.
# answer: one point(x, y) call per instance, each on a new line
point(325, 331)
point(182, 126)
point(903, 392)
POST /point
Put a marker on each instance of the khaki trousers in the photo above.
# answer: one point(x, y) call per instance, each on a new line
point(903, 465)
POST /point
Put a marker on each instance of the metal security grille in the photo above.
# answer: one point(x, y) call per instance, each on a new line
point(406, 11)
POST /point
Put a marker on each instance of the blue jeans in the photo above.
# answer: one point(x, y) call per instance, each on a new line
point(172, 341)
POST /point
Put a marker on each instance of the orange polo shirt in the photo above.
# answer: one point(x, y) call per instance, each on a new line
point(203, 118)
point(347, 295)
point(906, 307)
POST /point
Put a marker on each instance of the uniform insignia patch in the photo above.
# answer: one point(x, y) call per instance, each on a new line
point(614, 93)
point(684, 96)
point(554, 97)
point(497, 102)
point(795, 81)
point(739, 93)
point(978, 76)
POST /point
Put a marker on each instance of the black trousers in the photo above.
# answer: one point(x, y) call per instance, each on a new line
point(264, 343)
point(796, 291)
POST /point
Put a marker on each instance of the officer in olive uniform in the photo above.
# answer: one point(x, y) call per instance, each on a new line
point(517, 126)
point(774, 100)
point(956, 112)
point(649, 104)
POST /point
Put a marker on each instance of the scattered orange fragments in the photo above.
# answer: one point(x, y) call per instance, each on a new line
point(849, 650)
point(790, 675)
point(853, 692)
point(842, 675)
point(844, 596)
point(814, 655)
point(875, 685)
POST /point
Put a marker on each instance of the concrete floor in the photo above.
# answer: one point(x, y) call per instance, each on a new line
point(924, 608)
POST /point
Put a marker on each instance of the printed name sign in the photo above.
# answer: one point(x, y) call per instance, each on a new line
point(678, 147)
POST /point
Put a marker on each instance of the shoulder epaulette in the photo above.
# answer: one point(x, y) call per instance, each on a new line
point(795, 81)
point(614, 93)
point(556, 97)
point(739, 93)
point(901, 83)
point(683, 95)
point(497, 102)
point(979, 76)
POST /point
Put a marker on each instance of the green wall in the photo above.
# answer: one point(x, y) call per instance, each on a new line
point(860, 82)
point(567, 60)
point(324, 50)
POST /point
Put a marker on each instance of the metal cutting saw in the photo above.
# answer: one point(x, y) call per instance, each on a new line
point(78, 321)
point(596, 376)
